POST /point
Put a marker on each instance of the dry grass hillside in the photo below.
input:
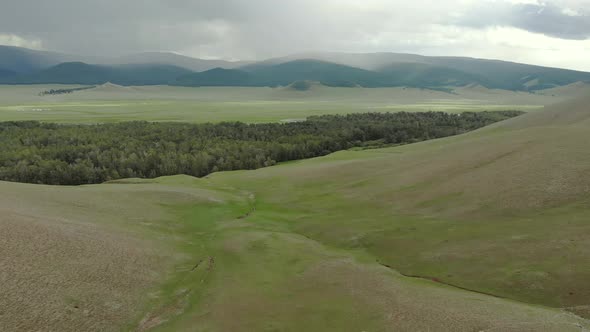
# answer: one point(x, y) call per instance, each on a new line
point(502, 210)
point(82, 258)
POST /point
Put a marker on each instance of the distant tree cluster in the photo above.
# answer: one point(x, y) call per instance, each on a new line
point(58, 154)
point(52, 92)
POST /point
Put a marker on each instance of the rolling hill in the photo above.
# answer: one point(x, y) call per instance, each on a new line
point(488, 231)
point(24, 61)
point(283, 74)
point(172, 59)
point(423, 72)
point(512, 76)
point(426, 71)
point(327, 73)
point(501, 210)
point(82, 73)
point(332, 69)
point(217, 77)
point(425, 75)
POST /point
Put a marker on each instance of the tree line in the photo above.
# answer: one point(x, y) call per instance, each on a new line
point(53, 92)
point(64, 154)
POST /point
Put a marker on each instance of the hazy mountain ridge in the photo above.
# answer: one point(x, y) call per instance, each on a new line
point(283, 74)
point(22, 60)
point(166, 58)
point(23, 66)
point(82, 73)
point(494, 74)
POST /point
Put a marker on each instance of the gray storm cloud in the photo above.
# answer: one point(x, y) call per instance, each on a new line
point(544, 18)
point(109, 26)
point(257, 29)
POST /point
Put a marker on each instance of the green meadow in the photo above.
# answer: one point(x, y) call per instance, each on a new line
point(112, 103)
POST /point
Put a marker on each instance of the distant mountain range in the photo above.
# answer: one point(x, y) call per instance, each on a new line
point(85, 74)
point(25, 66)
point(22, 60)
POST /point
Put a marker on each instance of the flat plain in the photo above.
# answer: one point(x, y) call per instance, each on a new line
point(111, 103)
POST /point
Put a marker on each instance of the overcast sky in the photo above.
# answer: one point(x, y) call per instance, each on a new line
point(554, 33)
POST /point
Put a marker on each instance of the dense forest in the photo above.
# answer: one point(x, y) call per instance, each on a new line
point(58, 154)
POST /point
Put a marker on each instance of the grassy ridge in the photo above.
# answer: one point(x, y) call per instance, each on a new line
point(493, 211)
point(267, 278)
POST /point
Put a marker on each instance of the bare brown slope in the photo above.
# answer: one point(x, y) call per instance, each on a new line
point(77, 258)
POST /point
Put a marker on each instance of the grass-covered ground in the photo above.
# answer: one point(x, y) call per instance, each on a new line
point(183, 254)
point(315, 245)
point(111, 103)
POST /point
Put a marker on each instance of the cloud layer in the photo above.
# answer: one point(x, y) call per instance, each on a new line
point(545, 32)
point(544, 18)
